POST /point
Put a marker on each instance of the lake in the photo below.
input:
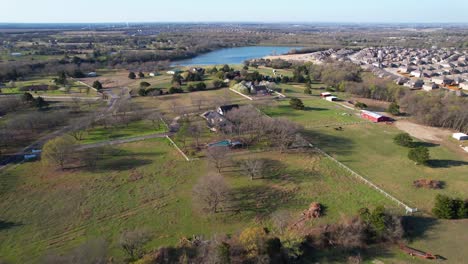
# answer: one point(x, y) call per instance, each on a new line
point(234, 55)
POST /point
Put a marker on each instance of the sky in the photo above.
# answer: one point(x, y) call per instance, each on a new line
point(356, 11)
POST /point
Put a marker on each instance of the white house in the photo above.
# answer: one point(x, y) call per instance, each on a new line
point(430, 86)
point(460, 136)
point(152, 74)
point(331, 98)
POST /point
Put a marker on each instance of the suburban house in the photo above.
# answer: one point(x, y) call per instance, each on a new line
point(374, 117)
point(464, 85)
point(418, 84)
point(442, 80)
point(430, 86)
point(215, 121)
point(224, 109)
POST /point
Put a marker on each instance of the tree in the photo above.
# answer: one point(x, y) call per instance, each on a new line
point(40, 103)
point(296, 103)
point(444, 207)
point(141, 75)
point(27, 98)
point(132, 243)
point(394, 109)
point(61, 79)
point(254, 240)
point(360, 105)
point(144, 84)
point(97, 85)
point(211, 191)
point(142, 92)
point(217, 156)
point(307, 90)
point(200, 86)
point(403, 139)
point(131, 75)
point(58, 150)
point(252, 168)
point(420, 155)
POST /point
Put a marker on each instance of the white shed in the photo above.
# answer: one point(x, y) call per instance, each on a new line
point(460, 136)
point(331, 98)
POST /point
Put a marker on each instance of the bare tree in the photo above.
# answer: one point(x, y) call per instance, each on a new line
point(132, 242)
point(217, 156)
point(198, 101)
point(253, 168)
point(196, 130)
point(79, 127)
point(156, 119)
point(281, 219)
point(211, 191)
point(283, 133)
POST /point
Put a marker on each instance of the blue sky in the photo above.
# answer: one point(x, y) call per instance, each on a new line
point(397, 11)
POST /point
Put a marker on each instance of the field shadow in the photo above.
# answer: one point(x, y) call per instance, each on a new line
point(424, 144)
point(329, 143)
point(416, 227)
point(120, 164)
point(7, 225)
point(257, 199)
point(308, 108)
point(446, 163)
point(340, 255)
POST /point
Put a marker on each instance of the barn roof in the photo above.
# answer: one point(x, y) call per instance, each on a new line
point(369, 113)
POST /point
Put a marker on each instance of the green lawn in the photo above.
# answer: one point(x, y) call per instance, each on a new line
point(76, 89)
point(53, 211)
point(134, 129)
point(369, 150)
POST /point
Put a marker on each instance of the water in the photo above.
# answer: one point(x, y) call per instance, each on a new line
point(234, 55)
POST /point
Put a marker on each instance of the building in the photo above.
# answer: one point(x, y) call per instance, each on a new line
point(430, 86)
point(91, 74)
point(326, 94)
point(460, 136)
point(173, 72)
point(152, 74)
point(224, 109)
point(441, 80)
point(464, 85)
point(374, 117)
point(331, 98)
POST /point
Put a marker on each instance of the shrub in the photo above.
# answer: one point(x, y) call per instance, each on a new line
point(307, 90)
point(142, 92)
point(420, 155)
point(253, 239)
point(296, 103)
point(449, 208)
point(394, 109)
point(131, 75)
point(403, 139)
point(174, 90)
point(145, 84)
point(360, 105)
point(97, 85)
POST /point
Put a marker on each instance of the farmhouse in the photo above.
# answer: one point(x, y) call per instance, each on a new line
point(224, 109)
point(460, 136)
point(374, 117)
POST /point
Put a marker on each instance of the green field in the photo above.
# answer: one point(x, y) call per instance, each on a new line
point(369, 150)
point(48, 210)
point(133, 129)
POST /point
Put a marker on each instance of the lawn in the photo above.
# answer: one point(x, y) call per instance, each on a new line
point(148, 185)
point(369, 150)
point(134, 129)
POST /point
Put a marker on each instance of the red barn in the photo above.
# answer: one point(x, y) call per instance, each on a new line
point(374, 117)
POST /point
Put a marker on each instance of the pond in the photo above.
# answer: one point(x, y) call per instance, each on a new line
point(234, 55)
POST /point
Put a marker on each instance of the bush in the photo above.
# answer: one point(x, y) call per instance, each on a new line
point(132, 75)
point(142, 92)
point(420, 155)
point(448, 208)
point(394, 109)
point(360, 105)
point(174, 90)
point(296, 103)
point(145, 84)
point(403, 139)
point(307, 90)
point(97, 85)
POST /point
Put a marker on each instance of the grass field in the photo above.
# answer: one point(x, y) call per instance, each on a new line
point(134, 129)
point(369, 150)
point(46, 211)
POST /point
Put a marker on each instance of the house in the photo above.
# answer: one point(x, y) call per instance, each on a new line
point(331, 98)
point(401, 81)
point(224, 109)
point(214, 120)
point(464, 85)
point(418, 84)
point(460, 136)
point(326, 94)
point(441, 80)
point(416, 73)
point(91, 74)
point(430, 86)
point(173, 72)
point(374, 117)
point(153, 74)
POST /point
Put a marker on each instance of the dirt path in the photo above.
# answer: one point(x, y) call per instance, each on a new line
point(423, 132)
